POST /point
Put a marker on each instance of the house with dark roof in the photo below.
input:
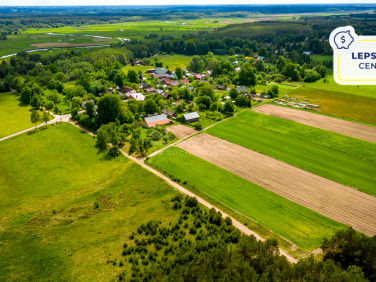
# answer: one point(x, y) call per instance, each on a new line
point(191, 117)
point(169, 113)
point(159, 75)
point(150, 90)
point(172, 83)
point(125, 90)
point(220, 87)
point(165, 95)
point(152, 121)
point(144, 85)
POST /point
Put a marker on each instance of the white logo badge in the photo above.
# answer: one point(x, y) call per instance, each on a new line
point(354, 57)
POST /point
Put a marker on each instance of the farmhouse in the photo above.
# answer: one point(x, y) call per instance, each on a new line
point(162, 71)
point(198, 76)
point(191, 117)
point(156, 120)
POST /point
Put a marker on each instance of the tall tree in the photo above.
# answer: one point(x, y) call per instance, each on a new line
point(109, 108)
point(35, 118)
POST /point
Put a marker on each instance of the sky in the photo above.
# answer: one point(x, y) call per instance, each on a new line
point(166, 2)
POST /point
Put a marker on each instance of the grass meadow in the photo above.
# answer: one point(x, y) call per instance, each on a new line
point(344, 105)
point(65, 208)
point(14, 116)
point(301, 226)
point(340, 158)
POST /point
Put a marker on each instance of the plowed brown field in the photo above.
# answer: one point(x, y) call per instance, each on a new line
point(345, 127)
point(333, 200)
point(181, 131)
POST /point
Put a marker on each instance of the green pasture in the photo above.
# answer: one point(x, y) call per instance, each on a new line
point(341, 104)
point(66, 208)
point(296, 223)
point(360, 90)
point(138, 29)
point(14, 116)
point(312, 149)
point(321, 58)
point(31, 41)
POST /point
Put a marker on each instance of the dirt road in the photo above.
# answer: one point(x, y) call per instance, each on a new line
point(341, 126)
point(336, 201)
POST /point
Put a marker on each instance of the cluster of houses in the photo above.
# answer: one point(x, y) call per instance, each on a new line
point(299, 105)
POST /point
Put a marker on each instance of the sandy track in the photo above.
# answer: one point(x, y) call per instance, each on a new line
point(336, 201)
point(345, 127)
point(181, 131)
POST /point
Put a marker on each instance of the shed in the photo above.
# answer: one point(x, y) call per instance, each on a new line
point(191, 117)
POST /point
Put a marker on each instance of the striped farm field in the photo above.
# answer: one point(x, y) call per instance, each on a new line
point(341, 126)
point(343, 159)
point(331, 199)
point(300, 225)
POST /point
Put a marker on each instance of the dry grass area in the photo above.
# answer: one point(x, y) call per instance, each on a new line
point(181, 131)
point(341, 126)
point(333, 200)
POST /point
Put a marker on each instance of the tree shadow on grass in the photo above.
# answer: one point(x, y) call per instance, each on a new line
point(31, 132)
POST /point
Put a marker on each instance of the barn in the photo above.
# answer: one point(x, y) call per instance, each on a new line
point(155, 120)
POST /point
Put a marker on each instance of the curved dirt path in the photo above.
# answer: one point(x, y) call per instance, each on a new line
point(353, 129)
point(333, 200)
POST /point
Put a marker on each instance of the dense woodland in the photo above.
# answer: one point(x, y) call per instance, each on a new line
point(202, 246)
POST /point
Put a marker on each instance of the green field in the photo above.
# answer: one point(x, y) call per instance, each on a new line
point(321, 152)
point(65, 208)
point(14, 116)
point(71, 36)
point(298, 224)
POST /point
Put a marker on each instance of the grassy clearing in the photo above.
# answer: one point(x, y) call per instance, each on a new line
point(344, 105)
point(360, 90)
point(314, 150)
point(14, 116)
point(298, 224)
point(50, 227)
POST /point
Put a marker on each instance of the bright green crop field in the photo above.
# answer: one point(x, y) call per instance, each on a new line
point(300, 225)
point(14, 116)
point(65, 208)
point(340, 158)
